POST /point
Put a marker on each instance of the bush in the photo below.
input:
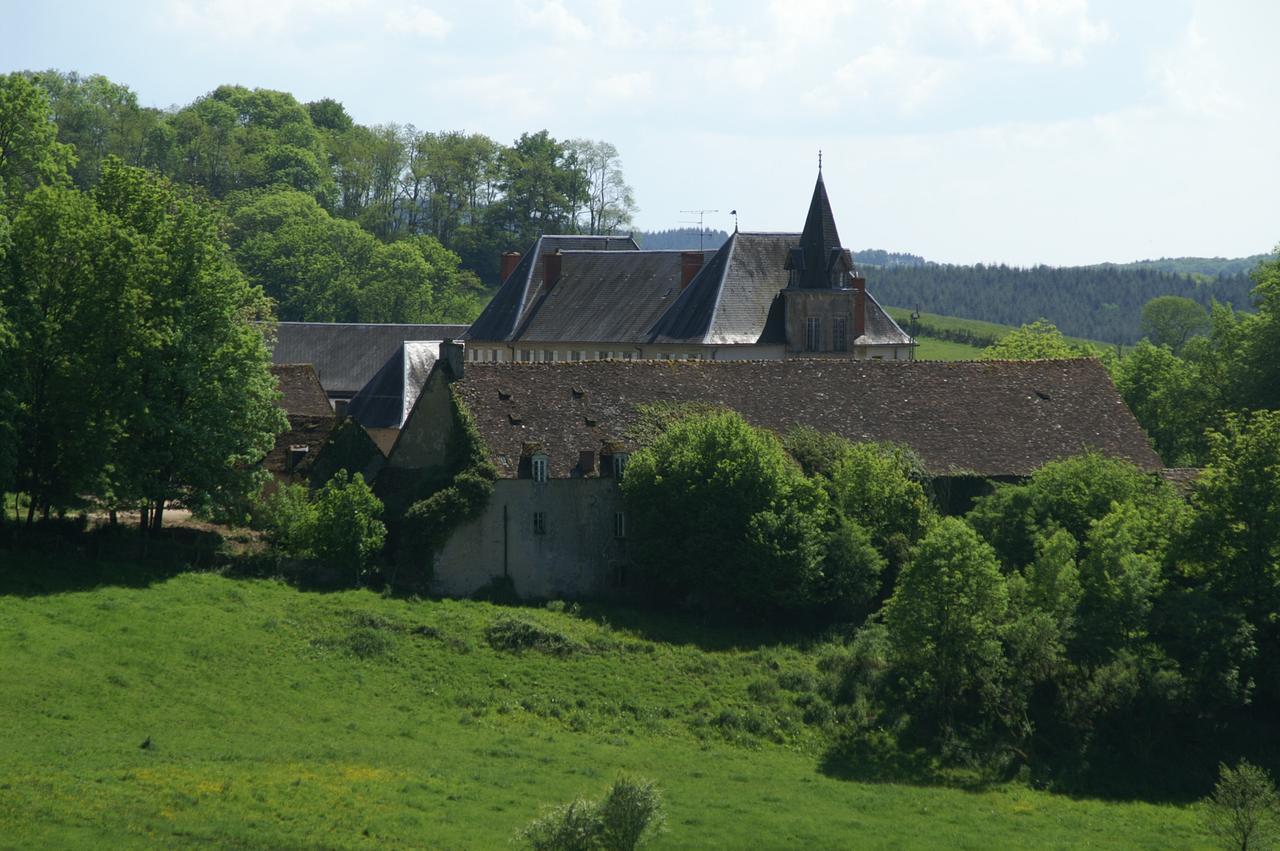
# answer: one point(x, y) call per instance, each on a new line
point(630, 815)
point(1244, 809)
point(516, 635)
point(289, 519)
point(348, 528)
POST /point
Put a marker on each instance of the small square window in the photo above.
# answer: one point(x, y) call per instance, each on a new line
point(548, 356)
point(539, 468)
point(539, 522)
point(619, 524)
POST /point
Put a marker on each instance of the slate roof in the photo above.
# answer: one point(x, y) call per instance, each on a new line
point(610, 291)
point(605, 296)
point(388, 398)
point(311, 418)
point(510, 306)
point(347, 355)
point(988, 418)
point(737, 298)
point(818, 239)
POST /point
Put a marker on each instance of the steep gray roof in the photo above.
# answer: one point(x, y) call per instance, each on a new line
point(988, 418)
point(605, 296)
point(386, 400)
point(818, 239)
point(347, 355)
point(510, 306)
point(737, 298)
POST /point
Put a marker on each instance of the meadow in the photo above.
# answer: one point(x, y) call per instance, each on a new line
point(934, 347)
point(183, 709)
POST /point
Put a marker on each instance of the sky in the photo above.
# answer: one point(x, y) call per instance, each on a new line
point(1017, 131)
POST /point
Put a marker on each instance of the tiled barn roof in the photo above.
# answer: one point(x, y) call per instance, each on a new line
point(990, 418)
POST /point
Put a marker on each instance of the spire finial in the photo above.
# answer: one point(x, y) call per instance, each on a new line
point(819, 160)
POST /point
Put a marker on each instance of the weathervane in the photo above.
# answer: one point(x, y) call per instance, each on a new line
point(819, 160)
point(734, 213)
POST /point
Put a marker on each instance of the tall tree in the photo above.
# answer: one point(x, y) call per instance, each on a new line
point(610, 201)
point(1171, 320)
point(30, 153)
point(201, 411)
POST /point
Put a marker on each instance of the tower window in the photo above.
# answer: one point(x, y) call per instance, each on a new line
point(812, 334)
point(539, 522)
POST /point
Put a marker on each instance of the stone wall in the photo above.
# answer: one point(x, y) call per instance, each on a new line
point(577, 554)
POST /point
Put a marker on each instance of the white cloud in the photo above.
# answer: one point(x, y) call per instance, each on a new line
point(553, 18)
point(417, 20)
point(631, 86)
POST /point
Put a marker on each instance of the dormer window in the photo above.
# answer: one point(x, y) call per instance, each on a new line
point(619, 463)
point(538, 466)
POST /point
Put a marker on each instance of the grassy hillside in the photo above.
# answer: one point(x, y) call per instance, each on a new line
point(283, 718)
point(935, 346)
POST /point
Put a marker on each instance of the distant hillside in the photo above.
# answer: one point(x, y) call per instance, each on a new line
point(1215, 267)
point(1097, 302)
point(880, 257)
point(679, 239)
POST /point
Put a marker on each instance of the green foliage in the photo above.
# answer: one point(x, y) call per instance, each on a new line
point(199, 409)
point(1232, 545)
point(1169, 399)
point(630, 815)
point(348, 528)
point(289, 517)
point(1171, 320)
point(516, 635)
point(1244, 810)
point(879, 486)
point(945, 617)
point(1040, 340)
point(1069, 494)
point(30, 154)
point(323, 269)
point(852, 569)
point(719, 511)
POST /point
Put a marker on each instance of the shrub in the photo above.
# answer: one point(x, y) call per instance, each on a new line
point(516, 635)
point(349, 531)
point(289, 519)
point(630, 815)
point(1244, 809)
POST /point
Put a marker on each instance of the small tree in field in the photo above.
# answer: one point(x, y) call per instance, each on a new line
point(630, 815)
point(1244, 809)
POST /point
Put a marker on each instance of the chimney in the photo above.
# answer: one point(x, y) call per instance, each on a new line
point(859, 287)
point(690, 264)
point(510, 260)
point(551, 269)
point(454, 356)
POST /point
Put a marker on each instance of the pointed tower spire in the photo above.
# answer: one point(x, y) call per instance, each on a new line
point(818, 240)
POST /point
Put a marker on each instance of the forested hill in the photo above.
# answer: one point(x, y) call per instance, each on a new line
point(1098, 302)
point(1215, 267)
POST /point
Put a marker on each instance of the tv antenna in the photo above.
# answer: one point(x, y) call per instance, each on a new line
point(701, 214)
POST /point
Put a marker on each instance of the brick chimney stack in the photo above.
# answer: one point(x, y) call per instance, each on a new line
point(690, 265)
point(551, 264)
point(510, 260)
point(859, 287)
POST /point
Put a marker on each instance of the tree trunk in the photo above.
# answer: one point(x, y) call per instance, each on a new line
point(144, 517)
point(157, 515)
point(111, 516)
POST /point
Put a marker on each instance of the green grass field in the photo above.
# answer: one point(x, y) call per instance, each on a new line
point(286, 718)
